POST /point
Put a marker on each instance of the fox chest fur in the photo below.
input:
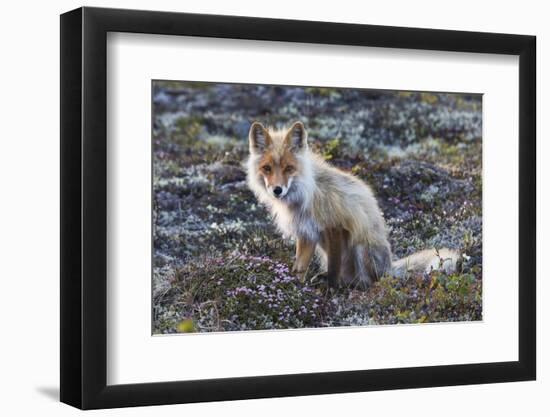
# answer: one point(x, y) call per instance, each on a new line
point(323, 208)
point(296, 221)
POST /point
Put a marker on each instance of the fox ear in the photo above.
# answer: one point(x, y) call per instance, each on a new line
point(258, 138)
point(296, 137)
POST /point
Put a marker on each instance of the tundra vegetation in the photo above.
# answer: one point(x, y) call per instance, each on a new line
point(219, 264)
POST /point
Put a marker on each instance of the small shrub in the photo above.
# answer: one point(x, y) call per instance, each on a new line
point(332, 149)
point(242, 292)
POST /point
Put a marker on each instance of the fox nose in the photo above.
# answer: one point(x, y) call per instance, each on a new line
point(277, 190)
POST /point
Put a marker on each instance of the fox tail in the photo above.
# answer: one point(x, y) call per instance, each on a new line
point(425, 261)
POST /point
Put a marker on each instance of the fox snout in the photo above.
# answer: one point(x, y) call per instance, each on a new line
point(278, 191)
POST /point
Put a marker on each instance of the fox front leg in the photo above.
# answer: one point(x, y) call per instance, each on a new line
point(332, 242)
point(334, 254)
point(304, 253)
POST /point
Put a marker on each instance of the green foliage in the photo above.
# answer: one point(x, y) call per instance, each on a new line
point(432, 298)
point(331, 149)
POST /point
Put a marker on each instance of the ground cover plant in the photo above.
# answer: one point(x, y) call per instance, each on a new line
point(220, 265)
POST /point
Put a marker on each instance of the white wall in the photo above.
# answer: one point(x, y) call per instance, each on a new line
point(29, 225)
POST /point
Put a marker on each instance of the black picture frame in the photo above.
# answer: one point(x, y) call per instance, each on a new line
point(84, 207)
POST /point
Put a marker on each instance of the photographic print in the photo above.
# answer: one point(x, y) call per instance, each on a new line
point(288, 207)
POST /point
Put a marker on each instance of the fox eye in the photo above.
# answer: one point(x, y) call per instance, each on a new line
point(266, 169)
point(289, 169)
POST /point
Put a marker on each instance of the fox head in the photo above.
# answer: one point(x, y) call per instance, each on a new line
point(277, 157)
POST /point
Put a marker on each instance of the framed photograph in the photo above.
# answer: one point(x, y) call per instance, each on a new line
point(258, 208)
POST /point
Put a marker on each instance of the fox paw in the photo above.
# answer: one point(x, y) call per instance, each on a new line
point(319, 279)
point(323, 279)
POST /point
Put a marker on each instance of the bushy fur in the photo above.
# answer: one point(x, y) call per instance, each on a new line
point(327, 209)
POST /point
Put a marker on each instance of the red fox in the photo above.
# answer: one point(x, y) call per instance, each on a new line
point(327, 211)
